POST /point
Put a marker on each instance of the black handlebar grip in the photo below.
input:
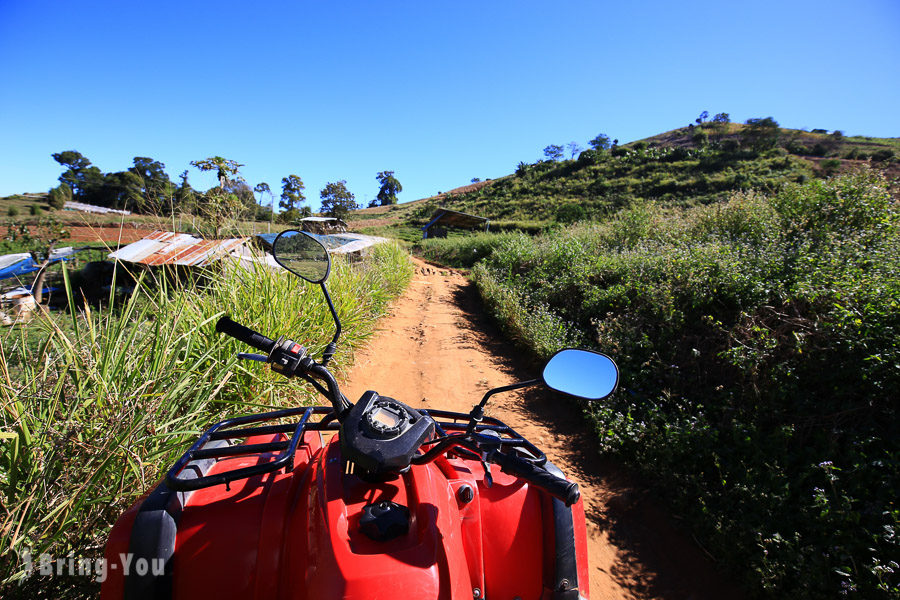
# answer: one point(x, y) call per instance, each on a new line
point(244, 334)
point(565, 490)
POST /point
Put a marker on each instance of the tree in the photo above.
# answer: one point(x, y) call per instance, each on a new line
point(83, 178)
point(262, 188)
point(222, 166)
point(185, 197)
point(554, 152)
point(760, 134)
point(703, 116)
point(337, 200)
point(155, 183)
point(226, 203)
point(59, 196)
point(291, 192)
point(243, 193)
point(122, 190)
point(719, 124)
point(390, 187)
point(601, 142)
point(72, 159)
point(574, 149)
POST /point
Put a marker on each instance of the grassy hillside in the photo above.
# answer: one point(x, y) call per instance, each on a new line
point(684, 167)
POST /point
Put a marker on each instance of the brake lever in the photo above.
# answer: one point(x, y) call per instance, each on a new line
point(250, 356)
point(486, 465)
point(489, 446)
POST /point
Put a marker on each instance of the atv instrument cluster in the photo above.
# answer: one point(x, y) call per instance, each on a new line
point(381, 435)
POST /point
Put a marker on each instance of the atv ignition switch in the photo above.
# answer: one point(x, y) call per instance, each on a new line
point(286, 357)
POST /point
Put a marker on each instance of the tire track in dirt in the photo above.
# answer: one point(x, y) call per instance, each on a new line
point(437, 349)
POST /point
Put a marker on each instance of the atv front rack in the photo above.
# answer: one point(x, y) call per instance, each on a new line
point(222, 440)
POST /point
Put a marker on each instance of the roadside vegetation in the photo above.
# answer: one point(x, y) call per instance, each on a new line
point(98, 400)
point(759, 344)
point(744, 277)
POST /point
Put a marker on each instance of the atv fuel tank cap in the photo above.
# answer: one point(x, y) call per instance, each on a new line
point(384, 520)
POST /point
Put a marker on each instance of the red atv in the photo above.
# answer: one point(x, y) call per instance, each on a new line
point(367, 500)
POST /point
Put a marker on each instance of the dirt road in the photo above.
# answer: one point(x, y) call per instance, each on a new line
point(437, 349)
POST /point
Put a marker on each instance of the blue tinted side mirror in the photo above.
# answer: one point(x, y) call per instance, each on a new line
point(582, 373)
point(302, 255)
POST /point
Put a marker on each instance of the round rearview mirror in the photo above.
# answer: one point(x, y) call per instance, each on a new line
point(582, 373)
point(302, 254)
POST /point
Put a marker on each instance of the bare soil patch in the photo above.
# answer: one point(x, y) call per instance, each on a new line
point(108, 235)
point(437, 349)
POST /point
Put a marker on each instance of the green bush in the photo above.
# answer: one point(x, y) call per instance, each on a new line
point(12, 211)
point(571, 213)
point(58, 196)
point(36, 210)
point(464, 251)
point(700, 137)
point(883, 155)
point(831, 166)
point(757, 341)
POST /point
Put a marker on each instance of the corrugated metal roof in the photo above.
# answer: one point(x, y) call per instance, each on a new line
point(69, 205)
point(13, 265)
point(342, 243)
point(167, 248)
point(323, 220)
point(454, 218)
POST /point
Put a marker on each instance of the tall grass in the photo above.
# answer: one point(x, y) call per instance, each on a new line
point(96, 403)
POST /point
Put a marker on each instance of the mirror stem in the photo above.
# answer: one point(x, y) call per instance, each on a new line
point(332, 347)
point(478, 411)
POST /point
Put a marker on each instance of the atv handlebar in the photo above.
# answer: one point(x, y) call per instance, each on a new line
point(556, 486)
point(245, 334)
point(297, 362)
point(565, 490)
point(540, 476)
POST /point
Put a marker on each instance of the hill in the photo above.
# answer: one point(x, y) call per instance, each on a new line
point(683, 167)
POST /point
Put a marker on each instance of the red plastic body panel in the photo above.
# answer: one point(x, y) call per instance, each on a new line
point(296, 535)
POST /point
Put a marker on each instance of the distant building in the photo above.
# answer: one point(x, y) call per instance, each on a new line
point(443, 218)
point(323, 225)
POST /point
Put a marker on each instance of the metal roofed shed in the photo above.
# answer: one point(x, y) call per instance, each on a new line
point(344, 243)
point(443, 218)
point(167, 248)
point(21, 263)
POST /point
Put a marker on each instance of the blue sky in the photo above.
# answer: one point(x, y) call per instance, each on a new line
point(437, 92)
